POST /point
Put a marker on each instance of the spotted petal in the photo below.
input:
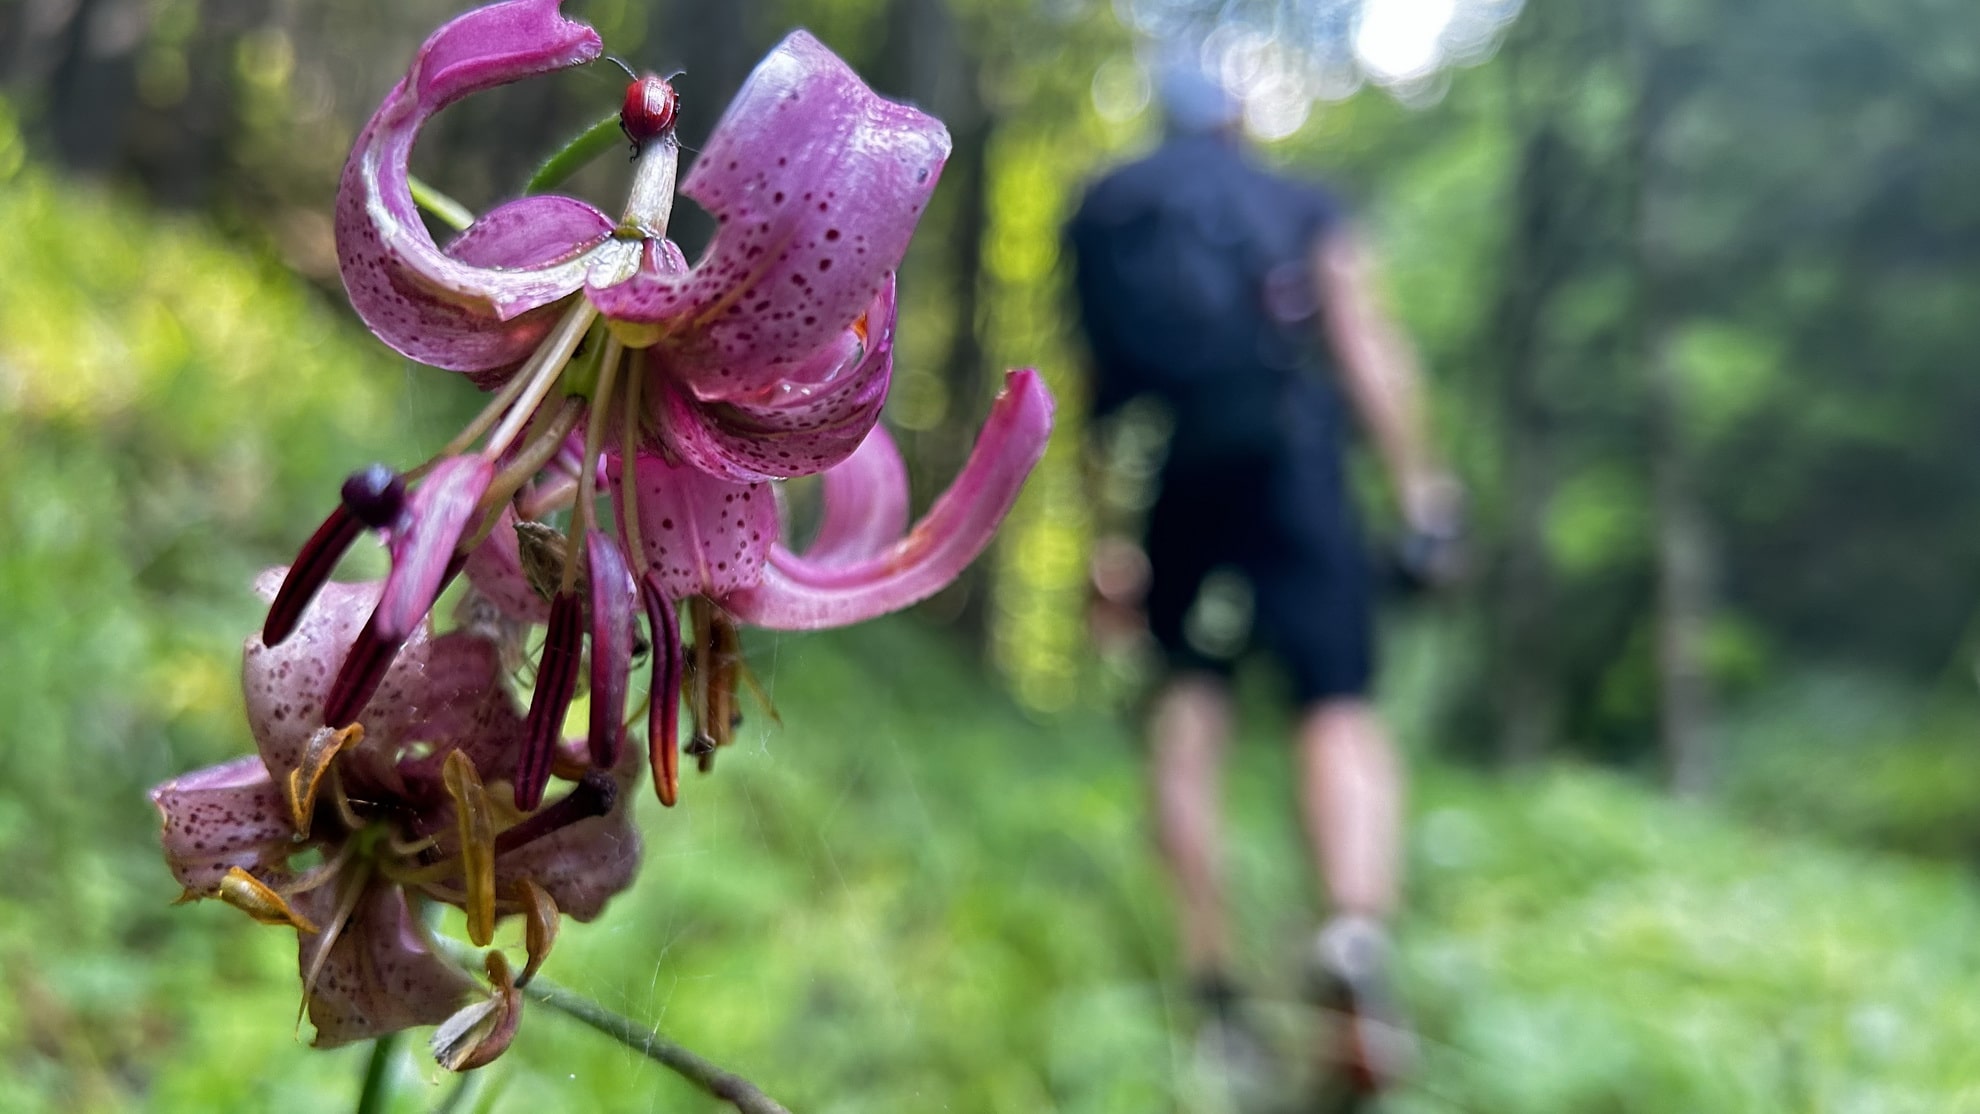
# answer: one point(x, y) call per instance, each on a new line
point(702, 535)
point(467, 309)
point(816, 183)
point(797, 593)
point(797, 426)
point(232, 815)
point(377, 973)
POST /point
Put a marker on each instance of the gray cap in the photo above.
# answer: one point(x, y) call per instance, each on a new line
point(1195, 104)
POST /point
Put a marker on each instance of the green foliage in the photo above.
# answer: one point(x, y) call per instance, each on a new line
point(1859, 758)
point(173, 417)
point(1581, 947)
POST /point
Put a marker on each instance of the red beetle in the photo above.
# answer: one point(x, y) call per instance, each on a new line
point(650, 108)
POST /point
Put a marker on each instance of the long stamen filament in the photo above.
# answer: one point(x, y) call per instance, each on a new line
point(322, 872)
point(628, 454)
point(541, 373)
point(497, 406)
point(542, 447)
point(347, 899)
point(550, 495)
point(594, 443)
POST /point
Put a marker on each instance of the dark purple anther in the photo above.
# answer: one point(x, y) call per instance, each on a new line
point(663, 712)
point(311, 569)
point(369, 658)
point(358, 678)
point(613, 632)
point(556, 684)
point(375, 495)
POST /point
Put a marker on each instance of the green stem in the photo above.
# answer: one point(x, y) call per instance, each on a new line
point(452, 213)
point(457, 1094)
point(714, 1081)
point(376, 1093)
point(727, 1086)
point(573, 156)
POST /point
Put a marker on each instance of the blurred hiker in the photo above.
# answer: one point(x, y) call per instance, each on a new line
point(1242, 302)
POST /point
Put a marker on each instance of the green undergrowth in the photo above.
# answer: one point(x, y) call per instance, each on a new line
point(907, 896)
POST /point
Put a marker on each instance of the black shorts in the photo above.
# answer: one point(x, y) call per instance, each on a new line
point(1285, 526)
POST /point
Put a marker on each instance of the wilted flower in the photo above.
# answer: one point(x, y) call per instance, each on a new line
point(343, 833)
point(683, 390)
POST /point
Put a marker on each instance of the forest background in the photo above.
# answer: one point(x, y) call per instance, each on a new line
point(1698, 286)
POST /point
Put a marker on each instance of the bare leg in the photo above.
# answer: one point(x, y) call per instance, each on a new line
point(1350, 795)
point(1190, 728)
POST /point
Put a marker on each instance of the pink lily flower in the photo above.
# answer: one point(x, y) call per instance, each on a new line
point(395, 813)
point(683, 391)
point(784, 325)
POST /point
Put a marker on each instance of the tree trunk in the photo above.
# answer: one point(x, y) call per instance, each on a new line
point(1683, 550)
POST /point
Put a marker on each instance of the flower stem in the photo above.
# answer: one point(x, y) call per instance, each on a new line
point(458, 1094)
point(376, 1093)
point(725, 1085)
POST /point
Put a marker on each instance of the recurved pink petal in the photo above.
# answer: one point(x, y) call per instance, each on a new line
point(797, 426)
point(447, 308)
point(232, 815)
point(866, 504)
point(380, 973)
point(816, 183)
point(797, 593)
point(448, 696)
point(702, 535)
point(423, 544)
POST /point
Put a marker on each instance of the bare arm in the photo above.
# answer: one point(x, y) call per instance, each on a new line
point(1379, 373)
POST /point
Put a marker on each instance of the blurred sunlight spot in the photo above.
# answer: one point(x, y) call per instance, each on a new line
point(1120, 90)
point(1280, 58)
point(919, 399)
point(1401, 40)
point(1278, 105)
point(189, 682)
point(266, 58)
